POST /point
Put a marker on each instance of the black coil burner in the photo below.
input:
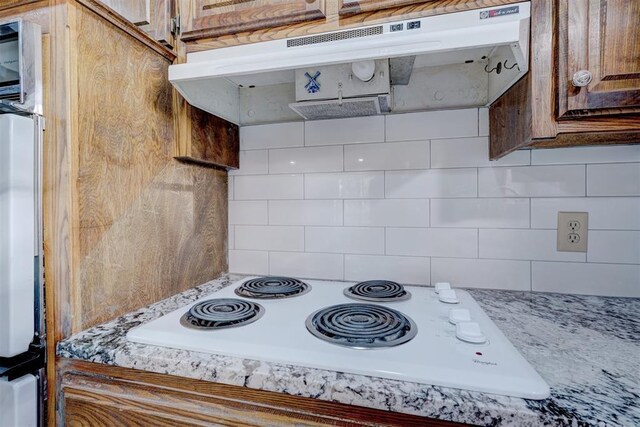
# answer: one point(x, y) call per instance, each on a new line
point(377, 291)
point(361, 326)
point(222, 313)
point(272, 288)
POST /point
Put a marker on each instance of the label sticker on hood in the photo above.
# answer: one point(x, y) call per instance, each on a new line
point(494, 13)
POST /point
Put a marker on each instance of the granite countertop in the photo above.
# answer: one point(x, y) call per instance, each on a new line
point(587, 348)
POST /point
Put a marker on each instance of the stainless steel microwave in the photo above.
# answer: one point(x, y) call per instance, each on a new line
point(20, 67)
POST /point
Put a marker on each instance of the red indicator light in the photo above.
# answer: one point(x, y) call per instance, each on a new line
point(478, 353)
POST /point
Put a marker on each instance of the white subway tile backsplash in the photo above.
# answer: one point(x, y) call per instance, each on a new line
point(344, 131)
point(605, 213)
point(305, 212)
point(437, 242)
point(431, 183)
point(230, 187)
point(414, 198)
point(268, 187)
point(252, 162)
point(307, 265)
point(405, 270)
point(540, 245)
point(387, 156)
point(249, 262)
point(587, 278)
point(532, 181)
point(483, 122)
point(248, 212)
point(345, 240)
point(311, 159)
point(269, 238)
point(471, 152)
point(346, 185)
point(480, 213)
point(278, 135)
point(582, 155)
point(619, 247)
point(613, 179)
point(482, 273)
point(432, 124)
point(398, 213)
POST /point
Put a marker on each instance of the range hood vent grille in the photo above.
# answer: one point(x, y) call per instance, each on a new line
point(333, 109)
point(338, 35)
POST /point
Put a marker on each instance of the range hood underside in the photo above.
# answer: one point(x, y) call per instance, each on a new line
point(448, 68)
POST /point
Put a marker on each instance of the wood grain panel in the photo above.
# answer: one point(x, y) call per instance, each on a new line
point(351, 7)
point(10, 4)
point(210, 18)
point(148, 226)
point(99, 395)
point(335, 22)
point(209, 140)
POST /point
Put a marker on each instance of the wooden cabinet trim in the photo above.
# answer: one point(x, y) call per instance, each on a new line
point(89, 388)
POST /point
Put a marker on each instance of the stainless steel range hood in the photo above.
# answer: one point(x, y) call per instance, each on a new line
point(486, 50)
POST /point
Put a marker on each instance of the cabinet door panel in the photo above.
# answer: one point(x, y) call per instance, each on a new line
point(603, 38)
point(209, 18)
point(159, 27)
point(136, 11)
point(350, 7)
point(152, 16)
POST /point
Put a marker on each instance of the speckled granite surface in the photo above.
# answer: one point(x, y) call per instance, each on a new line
point(586, 348)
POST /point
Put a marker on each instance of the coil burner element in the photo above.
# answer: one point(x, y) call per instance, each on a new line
point(377, 291)
point(272, 288)
point(222, 313)
point(361, 326)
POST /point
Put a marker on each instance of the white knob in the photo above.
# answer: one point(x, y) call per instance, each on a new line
point(448, 295)
point(442, 285)
point(457, 315)
point(581, 78)
point(470, 332)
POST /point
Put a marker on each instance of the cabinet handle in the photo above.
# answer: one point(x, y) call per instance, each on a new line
point(582, 78)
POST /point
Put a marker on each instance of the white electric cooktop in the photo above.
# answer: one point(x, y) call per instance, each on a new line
point(451, 344)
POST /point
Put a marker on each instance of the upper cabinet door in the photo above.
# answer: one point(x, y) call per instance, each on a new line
point(599, 57)
point(152, 16)
point(135, 11)
point(350, 7)
point(210, 18)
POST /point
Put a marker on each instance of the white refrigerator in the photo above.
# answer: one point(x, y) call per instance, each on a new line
point(21, 284)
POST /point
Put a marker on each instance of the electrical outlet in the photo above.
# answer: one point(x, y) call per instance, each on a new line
point(572, 231)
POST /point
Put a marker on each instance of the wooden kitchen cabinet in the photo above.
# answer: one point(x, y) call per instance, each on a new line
point(210, 18)
point(601, 39)
point(155, 17)
point(101, 395)
point(596, 40)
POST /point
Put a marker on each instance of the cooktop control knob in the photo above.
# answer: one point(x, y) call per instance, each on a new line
point(470, 332)
point(448, 295)
point(457, 315)
point(441, 286)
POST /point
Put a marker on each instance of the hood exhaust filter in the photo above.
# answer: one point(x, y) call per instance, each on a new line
point(334, 109)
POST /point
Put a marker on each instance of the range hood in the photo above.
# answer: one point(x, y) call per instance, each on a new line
point(452, 60)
